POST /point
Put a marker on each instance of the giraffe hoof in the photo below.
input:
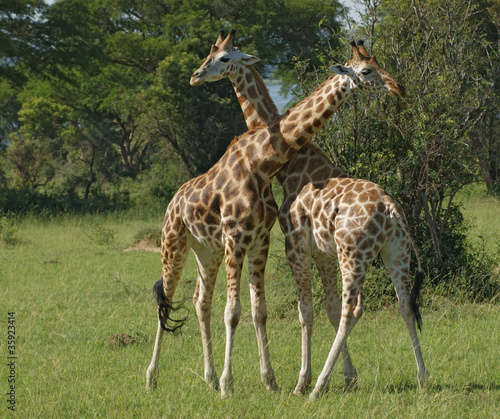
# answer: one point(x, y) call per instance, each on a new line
point(226, 388)
point(314, 396)
point(270, 383)
point(318, 392)
point(351, 384)
point(273, 388)
point(151, 380)
point(300, 389)
point(422, 379)
point(212, 381)
point(214, 385)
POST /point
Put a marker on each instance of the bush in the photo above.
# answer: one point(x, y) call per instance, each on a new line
point(151, 235)
point(7, 231)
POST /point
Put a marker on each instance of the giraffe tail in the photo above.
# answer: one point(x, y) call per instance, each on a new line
point(419, 275)
point(415, 297)
point(165, 308)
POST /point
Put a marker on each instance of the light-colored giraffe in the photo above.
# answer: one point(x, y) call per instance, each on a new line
point(310, 181)
point(229, 211)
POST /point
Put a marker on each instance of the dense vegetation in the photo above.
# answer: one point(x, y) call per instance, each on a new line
point(96, 111)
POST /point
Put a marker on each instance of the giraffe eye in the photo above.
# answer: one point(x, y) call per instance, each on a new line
point(224, 59)
point(365, 72)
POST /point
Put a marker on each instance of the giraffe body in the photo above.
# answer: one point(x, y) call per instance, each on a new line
point(325, 216)
point(225, 213)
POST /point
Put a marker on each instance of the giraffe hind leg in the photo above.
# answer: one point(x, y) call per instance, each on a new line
point(174, 255)
point(166, 307)
point(165, 323)
point(152, 371)
point(299, 260)
point(396, 257)
point(327, 268)
point(352, 310)
point(353, 270)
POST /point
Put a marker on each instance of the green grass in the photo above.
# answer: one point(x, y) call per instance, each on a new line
point(73, 287)
point(482, 213)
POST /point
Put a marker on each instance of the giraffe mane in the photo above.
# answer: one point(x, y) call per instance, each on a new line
point(316, 149)
point(263, 89)
point(308, 145)
point(234, 141)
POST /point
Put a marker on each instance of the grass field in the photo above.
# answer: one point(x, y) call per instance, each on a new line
point(73, 288)
point(482, 212)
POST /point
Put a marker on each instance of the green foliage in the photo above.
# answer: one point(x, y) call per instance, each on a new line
point(421, 150)
point(7, 231)
point(24, 201)
point(100, 235)
point(105, 85)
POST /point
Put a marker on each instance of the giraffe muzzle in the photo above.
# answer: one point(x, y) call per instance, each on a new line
point(196, 79)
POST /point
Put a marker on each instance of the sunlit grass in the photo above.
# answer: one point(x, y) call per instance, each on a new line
point(482, 212)
point(73, 287)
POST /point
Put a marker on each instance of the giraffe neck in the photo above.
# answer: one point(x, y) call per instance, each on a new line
point(304, 120)
point(256, 103)
point(258, 108)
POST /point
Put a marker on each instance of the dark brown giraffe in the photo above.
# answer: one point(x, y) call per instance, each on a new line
point(310, 181)
point(229, 211)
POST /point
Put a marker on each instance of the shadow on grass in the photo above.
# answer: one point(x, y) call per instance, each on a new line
point(437, 388)
point(407, 386)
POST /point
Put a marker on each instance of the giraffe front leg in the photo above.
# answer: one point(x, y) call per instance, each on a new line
point(231, 318)
point(208, 266)
point(256, 267)
point(234, 263)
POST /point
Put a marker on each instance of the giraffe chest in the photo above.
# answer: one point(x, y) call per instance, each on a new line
point(245, 213)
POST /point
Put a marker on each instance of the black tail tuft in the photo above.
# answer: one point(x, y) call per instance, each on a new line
point(165, 307)
point(415, 297)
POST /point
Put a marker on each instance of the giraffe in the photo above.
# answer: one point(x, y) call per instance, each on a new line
point(229, 210)
point(308, 172)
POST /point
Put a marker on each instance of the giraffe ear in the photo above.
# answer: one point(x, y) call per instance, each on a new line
point(245, 58)
point(342, 70)
point(249, 59)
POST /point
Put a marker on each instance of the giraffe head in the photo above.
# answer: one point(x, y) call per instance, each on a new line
point(366, 74)
point(222, 61)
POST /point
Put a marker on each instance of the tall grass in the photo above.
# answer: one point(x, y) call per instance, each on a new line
point(482, 212)
point(74, 289)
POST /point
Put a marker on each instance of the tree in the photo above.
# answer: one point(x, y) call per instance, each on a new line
point(116, 74)
point(422, 149)
point(486, 134)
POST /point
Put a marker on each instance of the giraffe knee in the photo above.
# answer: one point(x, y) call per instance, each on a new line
point(233, 320)
point(354, 307)
point(203, 309)
point(305, 315)
point(358, 312)
point(232, 315)
point(259, 316)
